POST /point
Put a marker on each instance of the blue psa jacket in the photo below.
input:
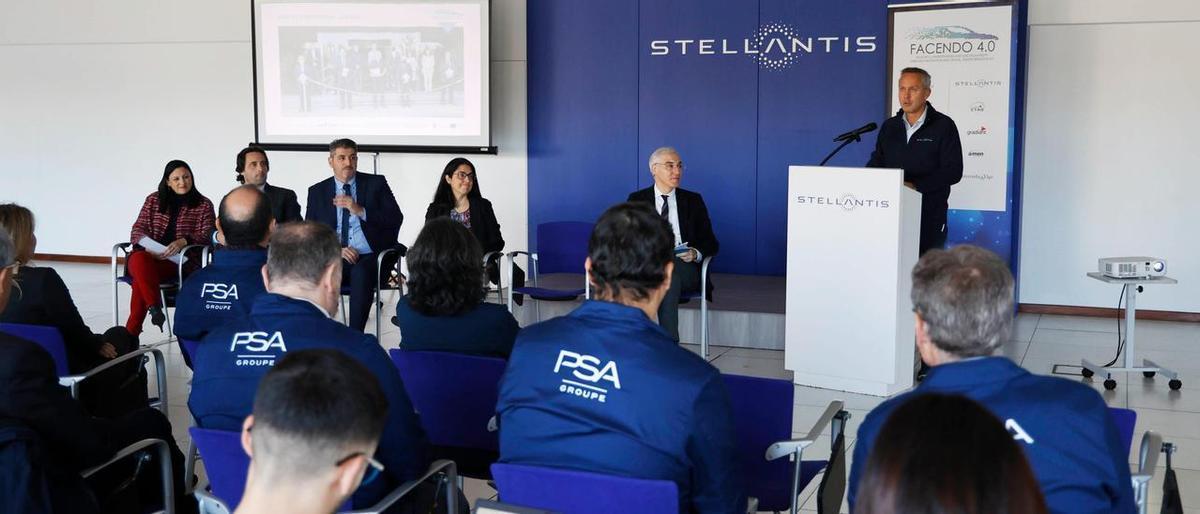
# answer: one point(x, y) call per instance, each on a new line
point(605, 390)
point(1064, 428)
point(231, 361)
point(220, 293)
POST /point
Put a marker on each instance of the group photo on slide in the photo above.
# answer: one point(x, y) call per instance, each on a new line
point(580, 257)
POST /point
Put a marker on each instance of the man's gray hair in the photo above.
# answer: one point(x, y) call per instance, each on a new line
point(965, 296)
point(301, 251)
point(926, 80)
point(8, 250)
point(661, 151)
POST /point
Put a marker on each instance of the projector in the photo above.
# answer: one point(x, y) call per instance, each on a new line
point(1133, 267)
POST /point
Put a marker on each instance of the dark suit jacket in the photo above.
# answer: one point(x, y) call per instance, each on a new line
point(44, 300)
point(483, 222)
point(694, 225)
point(932, 160)
point(487, 330)
point(382, 225)
point(30, 395)
point(284, 206)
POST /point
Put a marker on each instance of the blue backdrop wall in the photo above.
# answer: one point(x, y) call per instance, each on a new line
point(742, 89)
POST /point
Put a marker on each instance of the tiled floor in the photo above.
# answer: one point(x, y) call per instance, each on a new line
point(1038, 343)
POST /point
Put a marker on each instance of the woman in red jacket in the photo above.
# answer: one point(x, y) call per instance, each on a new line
point(175, 216)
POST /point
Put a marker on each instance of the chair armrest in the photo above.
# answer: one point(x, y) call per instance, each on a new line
point(73, 381)
point(441, 466)
point(797, 446)
point(164, 463)
point(493, 424)
point(1152, 446)
point(751, 505)
point(210, 504)
point(119, 250)
point(183, 254)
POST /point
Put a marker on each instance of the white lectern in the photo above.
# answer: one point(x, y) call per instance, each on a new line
point(853, 236)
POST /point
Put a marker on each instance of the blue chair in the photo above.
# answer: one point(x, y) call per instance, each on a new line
point(1152, 444)
point(51, 340)
point(762, 419)
point(703, 296)
point(227, 465)
point(166, 290)
point(562, 248)
point(455, 395)
point(580, 492)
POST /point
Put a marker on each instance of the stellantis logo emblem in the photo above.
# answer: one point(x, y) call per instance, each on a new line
point(847, 201)
point(774, 46)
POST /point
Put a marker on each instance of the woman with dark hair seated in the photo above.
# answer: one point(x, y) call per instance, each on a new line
point(42, 298)
point(459, 198)
point(444, 308)
point(947, 454)
point(175, 216)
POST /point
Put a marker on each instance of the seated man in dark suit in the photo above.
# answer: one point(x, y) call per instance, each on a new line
point(963, 299)
point(604, 390)
point(70, 440)
point(694, 238)
point(304, 276)
point(363, 213)
point(224, 290)
point(252, 169)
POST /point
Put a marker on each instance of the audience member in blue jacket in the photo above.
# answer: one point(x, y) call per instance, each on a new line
point(303, 283)
point(963, 300)
point(224, 290)
point(606, 390)
point(444, 308)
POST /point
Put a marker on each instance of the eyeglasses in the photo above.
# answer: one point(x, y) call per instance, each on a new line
point(463, 175)
point(374, 467)
point(671, 165)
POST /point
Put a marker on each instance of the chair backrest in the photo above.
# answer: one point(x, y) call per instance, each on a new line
point(225, 463)
point(48, 338)
point(580, 492)
point(455, 395)
point(562, 246)
point(1125, 420)
point(762, 416)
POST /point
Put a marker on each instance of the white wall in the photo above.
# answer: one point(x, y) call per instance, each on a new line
point(97, 96)
point(1112, 165)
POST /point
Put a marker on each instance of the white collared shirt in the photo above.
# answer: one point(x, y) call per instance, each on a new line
point(909, 130)
point(672, 215)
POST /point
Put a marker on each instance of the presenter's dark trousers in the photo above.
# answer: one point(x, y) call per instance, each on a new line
point(933, 231)
point(685, 279)
point(361, 277)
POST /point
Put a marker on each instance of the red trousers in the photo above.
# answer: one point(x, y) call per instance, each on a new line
point(147, 273)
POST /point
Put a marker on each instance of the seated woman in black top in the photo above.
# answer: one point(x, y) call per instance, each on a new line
point(444, 308)
point(42, 298)
point(458, 197)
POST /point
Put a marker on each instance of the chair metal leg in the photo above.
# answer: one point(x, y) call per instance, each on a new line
point(170, 332)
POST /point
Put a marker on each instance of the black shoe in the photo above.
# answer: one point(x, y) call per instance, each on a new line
point(157, 317)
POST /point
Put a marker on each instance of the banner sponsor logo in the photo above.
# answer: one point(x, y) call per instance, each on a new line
point(974, 154)
point(978, 107)
point(979, 83)
point(981, 131)
point(774, 46)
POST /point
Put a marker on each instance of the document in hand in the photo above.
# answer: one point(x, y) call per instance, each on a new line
point(156, 247)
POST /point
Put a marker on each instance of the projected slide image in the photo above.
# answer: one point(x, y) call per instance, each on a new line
point(416, 71)
point(409, 72)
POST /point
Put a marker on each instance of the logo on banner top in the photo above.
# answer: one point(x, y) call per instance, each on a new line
point(957, 40)
point(980, 83)
point(774, 46)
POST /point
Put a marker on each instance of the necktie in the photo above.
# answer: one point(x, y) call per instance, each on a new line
point(666, 210)
point(345, 232)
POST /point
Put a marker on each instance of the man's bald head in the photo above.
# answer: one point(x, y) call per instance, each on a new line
point(245, 219)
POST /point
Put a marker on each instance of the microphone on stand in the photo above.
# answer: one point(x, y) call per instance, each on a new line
point(853, 136)
point(857, 133)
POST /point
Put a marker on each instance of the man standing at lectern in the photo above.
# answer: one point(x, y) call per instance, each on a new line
point(694, 238)
point(924, 143)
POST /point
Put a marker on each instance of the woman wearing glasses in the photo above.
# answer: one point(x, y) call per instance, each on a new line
point(458, 197)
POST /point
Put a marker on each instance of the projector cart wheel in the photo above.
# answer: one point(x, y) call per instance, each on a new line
point(1175, 384)
point(1087, 373)
point(1110, 384)
point(1148, 374)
